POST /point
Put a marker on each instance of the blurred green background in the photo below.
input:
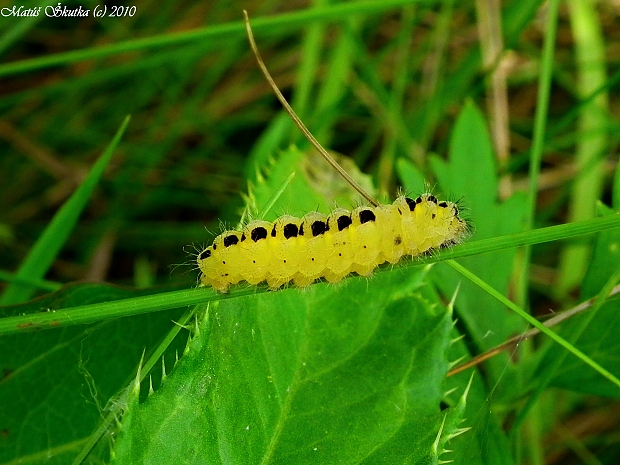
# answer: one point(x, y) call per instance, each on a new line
point(377, 81)
point(374, 82)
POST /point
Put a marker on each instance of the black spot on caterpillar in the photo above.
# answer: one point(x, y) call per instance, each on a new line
point(258, 233)
point(303, 250)
point(230, 240)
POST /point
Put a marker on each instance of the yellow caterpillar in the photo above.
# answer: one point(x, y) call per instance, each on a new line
point(316, 246)
point(303, 250)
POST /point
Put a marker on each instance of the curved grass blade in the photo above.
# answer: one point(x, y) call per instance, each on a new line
point(213, 33)
point(145, 304)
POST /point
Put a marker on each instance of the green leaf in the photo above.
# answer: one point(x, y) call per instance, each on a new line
point(55, 384)
point(315, 185)
point(321, 375)
point(487, 443)
point(411, 177)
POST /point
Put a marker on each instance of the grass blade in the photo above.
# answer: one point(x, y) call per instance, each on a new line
point(45, 250)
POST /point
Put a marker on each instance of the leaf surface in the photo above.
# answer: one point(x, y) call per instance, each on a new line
point(321, 375)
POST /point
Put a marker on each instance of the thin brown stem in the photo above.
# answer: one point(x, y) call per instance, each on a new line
point(302, 127)
point(513, 341)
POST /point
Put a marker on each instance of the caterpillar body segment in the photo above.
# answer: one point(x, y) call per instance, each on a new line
point(303, 250)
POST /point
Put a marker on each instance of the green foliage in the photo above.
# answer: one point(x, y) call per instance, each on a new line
point(595, 334)
point(471, 152)
point(49, 244)
point(347, 373)
point(55, 384)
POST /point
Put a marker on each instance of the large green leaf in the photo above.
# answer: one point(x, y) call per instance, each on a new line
point(323, 375)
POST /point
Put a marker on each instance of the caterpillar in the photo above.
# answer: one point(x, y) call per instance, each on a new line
point(302, 250)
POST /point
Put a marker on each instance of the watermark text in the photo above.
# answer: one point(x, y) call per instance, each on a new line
point(62, 11)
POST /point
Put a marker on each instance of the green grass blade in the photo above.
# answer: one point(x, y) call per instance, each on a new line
point(537, 236)
point(36, 283)
point(145, 304)
point(218, 33)
point(310, 52)
point(616, 192)
point(18, 30)
point(44, 252)
point(542, 107)
point(538, 143)
point(592, 144)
